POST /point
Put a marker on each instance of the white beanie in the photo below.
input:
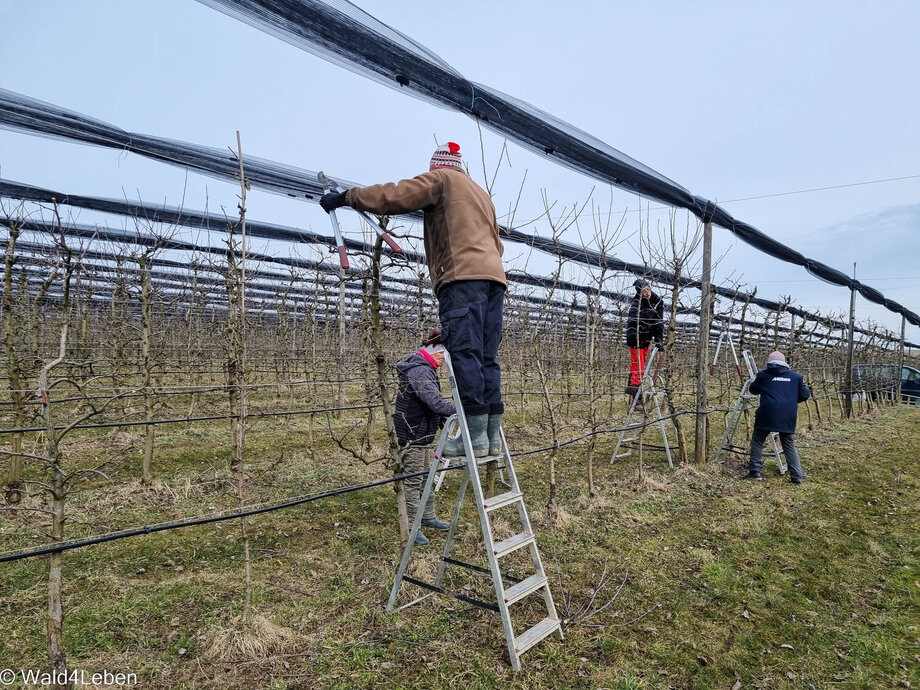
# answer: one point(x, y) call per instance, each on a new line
point(447, 156)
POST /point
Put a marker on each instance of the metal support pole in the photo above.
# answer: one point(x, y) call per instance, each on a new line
point(700, 450)
point(849, 377)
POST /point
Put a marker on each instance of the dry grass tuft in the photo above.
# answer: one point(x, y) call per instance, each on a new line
point(646, 484)
point(690, 471)
point(258, 638)
point(564, 519)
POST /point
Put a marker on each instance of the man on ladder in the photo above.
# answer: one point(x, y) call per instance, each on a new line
point(781, 390)
point(464, 252)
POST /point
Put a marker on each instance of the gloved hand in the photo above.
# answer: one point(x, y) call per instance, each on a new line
point(332, 201)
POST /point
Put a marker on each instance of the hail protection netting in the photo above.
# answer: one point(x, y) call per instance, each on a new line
point(18, 112)
point(213, 224)
point(347, 36)
point(169, 215)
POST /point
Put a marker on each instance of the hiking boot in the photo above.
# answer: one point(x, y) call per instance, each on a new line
point(434, 523)
point(796, 480)
point(753, 475)
point(420, 539)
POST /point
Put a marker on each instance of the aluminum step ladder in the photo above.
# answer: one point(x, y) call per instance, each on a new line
point(636, 420)
point(509, 590)
point(745, 402)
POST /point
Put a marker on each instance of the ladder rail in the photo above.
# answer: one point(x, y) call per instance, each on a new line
point(535, 558)
point(416, 526)
point(643, 393)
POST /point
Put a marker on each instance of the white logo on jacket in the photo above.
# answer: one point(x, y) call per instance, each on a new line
point(781, 378)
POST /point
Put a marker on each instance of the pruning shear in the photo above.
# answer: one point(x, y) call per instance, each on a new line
point(330, 186)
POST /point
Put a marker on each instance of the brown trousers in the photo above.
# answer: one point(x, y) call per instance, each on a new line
point(417, 459)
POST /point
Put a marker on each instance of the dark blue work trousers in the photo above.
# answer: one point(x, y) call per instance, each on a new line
point(755, 464)
point(471, 328)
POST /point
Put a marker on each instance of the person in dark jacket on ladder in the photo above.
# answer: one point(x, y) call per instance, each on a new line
point(780, 390)
point(464, 253)
point(420, 412)
point(644, 324)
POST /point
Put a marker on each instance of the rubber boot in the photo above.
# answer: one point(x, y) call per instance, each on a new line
point(439, 525)
point(495, 434)
point(454, 447)
point(478, 425)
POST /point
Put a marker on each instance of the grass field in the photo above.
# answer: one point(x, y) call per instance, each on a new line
point(688, 579)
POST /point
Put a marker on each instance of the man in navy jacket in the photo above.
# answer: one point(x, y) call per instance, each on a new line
point(781, 390)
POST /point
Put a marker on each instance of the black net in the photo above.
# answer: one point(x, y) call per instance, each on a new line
point(215, 223)
point(22, 113)
point(347, 36)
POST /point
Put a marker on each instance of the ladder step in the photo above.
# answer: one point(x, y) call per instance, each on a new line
point(503, 548)
point(529, 638)
point(625, 454)
point(501, 500)
point(630, 439)
point(524, 587)
point(479, 461)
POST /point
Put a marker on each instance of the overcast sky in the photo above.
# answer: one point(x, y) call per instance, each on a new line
point(731, 100)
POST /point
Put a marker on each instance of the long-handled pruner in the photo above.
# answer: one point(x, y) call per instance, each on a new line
point(340, 243)
point(331, 186)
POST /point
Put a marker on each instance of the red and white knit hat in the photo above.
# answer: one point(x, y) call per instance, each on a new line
point(447, 156)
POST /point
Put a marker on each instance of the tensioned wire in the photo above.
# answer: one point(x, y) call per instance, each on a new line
point(249, 511)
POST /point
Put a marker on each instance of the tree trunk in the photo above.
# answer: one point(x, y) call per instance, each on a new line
point(375, 334)
point(147, 366)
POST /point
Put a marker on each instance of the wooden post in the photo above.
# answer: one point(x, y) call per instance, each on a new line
point(700, 450)
point(849, 378)
point(901, 359)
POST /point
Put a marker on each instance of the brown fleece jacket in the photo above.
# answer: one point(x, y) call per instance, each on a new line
point(461, 231)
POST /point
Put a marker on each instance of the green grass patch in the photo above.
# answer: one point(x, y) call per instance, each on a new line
point(689, 578)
